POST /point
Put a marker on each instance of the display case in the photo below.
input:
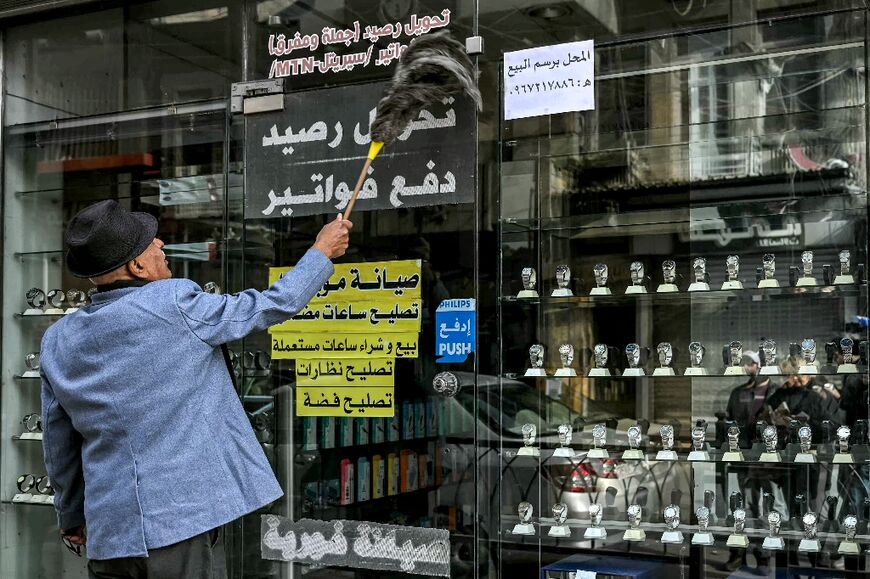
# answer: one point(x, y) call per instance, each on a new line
point(683, 312)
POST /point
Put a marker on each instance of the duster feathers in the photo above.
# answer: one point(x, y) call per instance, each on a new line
point(432, 68)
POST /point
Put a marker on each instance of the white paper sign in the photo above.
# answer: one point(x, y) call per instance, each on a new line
point(549, 79)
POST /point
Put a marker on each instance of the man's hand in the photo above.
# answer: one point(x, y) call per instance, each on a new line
point(333, 239)
point(76, 535)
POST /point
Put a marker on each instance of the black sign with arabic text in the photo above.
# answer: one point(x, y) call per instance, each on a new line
point(305, 160)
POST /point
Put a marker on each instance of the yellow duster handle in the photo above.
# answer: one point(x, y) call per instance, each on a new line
point(374, 149)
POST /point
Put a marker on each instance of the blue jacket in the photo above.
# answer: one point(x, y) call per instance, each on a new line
point(145, 438)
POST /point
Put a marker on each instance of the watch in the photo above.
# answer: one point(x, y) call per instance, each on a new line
point(43, 485)
point(26, 482)
point(32, 422)
point(35, 298)
point(56, 297)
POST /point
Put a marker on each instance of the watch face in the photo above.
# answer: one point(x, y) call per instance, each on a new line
point(702, 513)
point(809, 519)
point(769, 432)
point(768, 258)
point(634, 511)
point(733, 431)
point(594, 509)
point(695, 347)
point(844, 432)
point(739, 515)
point(632, 349)
point(808, 344)
point(847, 344)
point(599, 269)
point(667, 431)
point(670, 512)
point(773, 518)
point(598, 431)
point(634, 432)
point(805, 432)
point(807, 257)
point(600, 349)
point(699, 433)
point(636, 267)
point(850, 522)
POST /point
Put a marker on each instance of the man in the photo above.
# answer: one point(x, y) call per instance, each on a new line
point(145, 439)
point(746, 404)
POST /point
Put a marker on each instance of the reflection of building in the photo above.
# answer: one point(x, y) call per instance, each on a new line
point(721, 128)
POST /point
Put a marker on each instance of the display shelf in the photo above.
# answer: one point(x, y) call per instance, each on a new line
point(29, 499)
point(20, 377)
point(677, 376)
point(32, 436)
point(684, 298)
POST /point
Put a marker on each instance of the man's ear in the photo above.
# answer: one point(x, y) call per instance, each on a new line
point(136, 268)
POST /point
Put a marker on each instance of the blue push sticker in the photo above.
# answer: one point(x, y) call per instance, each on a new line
point(455, 330)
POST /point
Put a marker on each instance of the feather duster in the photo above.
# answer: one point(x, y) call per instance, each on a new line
point(432, 68)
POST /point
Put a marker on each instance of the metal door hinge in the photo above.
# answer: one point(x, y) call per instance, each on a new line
point(257, 97)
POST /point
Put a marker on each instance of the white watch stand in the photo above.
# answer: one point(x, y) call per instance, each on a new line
point(600, 291)
point(633, 372)
point(699, 286)
point(635, 289)
point(527, 294)
point(732, 285)
point(663, 371)
point(768, 284)
point(692, 371)
point(667, 288)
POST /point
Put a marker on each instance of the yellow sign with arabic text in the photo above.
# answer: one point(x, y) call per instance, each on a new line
point(372, 402)
point(397, 316)
point(369, 282)
point(347, 346)
point(367, 372)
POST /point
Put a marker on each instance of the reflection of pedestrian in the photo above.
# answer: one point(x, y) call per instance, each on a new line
point(746, 405)
point(797, 399)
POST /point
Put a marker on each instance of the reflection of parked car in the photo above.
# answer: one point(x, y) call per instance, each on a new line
point(504, 406)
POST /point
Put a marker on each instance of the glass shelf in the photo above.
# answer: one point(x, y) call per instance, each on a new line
point(681, 297)
point(678, 376)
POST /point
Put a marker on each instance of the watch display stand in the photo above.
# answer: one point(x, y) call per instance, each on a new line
point(600, 291)
point(634, 535)
point(635, 289)
point(633, 372)
point(595, 533)
point(672, 537)
point(667, 288)
point(536, 372)
point(704, 539)
point(693, 371)
point(733, 456)
point(667, 455)
point(699, 456)
point(739, 541)
point(523, 529)
point(806, 282)
point(529, 451)
point(735, 371)
point(847, 369)
point(770, 457)
point(599, 372)
point(663, 371)
point(769, 370)
point(849, 548)
point(809, 546)
point(844, 280)
point(808, 369)
point(699, 286)
point(527, 294)
point(732, 285)
point(633, 454)
point(768, 284)
point(773, 544)
point(559, 531)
